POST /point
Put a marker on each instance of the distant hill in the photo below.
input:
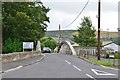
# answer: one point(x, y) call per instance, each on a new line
point(68, 34)
point(64, 33)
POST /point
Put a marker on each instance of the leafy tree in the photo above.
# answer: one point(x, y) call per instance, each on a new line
point(48, 42)
point(86, 34)
point(25, 21)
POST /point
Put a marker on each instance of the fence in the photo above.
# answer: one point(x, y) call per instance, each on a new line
point(86, 52)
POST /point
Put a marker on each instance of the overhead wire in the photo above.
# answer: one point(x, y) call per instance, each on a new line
point(78, 14)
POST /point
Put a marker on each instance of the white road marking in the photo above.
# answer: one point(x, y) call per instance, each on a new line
point(37, 60)
point(101, 72)
point(13, 69)
point(67, 62)
point(77, 68)
point(90, 76)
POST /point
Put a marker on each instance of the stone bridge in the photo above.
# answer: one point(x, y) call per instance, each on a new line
point(67, 47)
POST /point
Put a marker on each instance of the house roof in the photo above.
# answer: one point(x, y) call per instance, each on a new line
point(117, 43)
point(106, 42)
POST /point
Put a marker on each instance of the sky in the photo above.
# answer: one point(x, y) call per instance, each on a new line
point(63, 12)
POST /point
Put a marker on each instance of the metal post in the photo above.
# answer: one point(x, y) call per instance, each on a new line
point(99, 5)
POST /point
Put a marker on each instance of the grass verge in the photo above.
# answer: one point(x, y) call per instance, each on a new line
point(99, 62)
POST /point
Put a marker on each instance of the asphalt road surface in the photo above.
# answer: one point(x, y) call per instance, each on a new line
point(61, 66)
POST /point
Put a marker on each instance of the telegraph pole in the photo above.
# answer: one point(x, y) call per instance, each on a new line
point(99, 6)
point(59, 33)
point(108, 37)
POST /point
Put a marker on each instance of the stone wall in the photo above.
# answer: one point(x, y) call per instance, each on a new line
point(18, 56)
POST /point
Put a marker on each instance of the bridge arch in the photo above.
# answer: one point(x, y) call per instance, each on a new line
point(68, 47)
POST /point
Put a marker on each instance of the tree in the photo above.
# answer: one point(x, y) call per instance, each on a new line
point(25, 21)
point(48, 42)
point(86, 34)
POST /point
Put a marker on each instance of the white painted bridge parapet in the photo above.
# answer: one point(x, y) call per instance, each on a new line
point(69, 45)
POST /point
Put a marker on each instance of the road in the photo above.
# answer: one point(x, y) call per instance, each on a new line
point(61, 66)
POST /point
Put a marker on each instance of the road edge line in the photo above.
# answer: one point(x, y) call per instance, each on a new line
point(35, 61)
point(12, 69)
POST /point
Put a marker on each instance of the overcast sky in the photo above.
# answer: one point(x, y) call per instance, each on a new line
point(63, 12)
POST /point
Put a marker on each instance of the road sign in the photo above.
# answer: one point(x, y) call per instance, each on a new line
point(28, 45)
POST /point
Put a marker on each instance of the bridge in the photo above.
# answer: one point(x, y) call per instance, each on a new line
point(66, 47)
point(63, 64)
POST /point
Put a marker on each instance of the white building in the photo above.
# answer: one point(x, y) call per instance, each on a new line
point(113, 46)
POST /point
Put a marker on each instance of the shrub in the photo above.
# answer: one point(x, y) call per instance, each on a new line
point(12, 46)
point(107, 56)
point(117, 56)
point(48, 42)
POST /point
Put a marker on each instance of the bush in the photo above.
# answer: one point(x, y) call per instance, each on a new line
point(12, 46)
point(48, 42)
point(107, 56)
point(117, 56)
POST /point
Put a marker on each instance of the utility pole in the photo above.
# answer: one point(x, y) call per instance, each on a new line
point(99, 6)
point(59, 33)
point(108, 37)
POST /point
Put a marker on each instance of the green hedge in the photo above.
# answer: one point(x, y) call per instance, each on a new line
point(117, 56)
point(12, 46)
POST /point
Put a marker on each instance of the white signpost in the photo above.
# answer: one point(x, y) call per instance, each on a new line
point(38, 48)
point(28, 45)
